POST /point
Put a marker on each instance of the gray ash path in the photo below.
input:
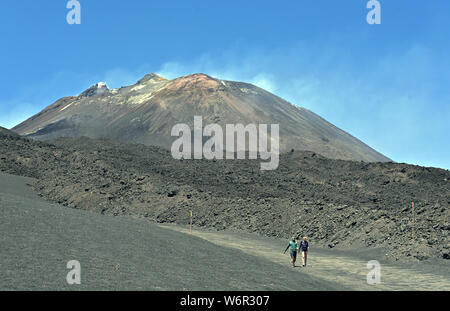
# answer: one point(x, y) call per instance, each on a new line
point(348, 268)
point(37, 239)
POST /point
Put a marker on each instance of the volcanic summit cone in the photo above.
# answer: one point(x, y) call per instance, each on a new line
point(146, 112)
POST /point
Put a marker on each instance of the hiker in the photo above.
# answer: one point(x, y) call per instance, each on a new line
point(303, 247)
point(293, 245)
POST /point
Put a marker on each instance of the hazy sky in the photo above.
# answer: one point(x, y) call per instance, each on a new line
point(388, 84)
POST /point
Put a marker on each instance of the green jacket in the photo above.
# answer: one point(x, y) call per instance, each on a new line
point(293, 245)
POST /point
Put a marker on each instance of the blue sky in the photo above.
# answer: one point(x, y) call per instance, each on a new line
point(388, 84)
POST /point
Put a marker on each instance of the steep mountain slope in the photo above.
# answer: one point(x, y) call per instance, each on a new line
point(147, 111)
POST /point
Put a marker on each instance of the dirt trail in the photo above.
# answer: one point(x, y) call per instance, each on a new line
point(348, 271)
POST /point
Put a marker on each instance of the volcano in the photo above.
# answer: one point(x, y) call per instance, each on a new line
point(146, 112)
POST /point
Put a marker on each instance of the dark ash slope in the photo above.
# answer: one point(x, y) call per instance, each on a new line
point(120, 253)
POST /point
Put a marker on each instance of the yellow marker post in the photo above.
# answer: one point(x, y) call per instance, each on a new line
point(190, 227)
